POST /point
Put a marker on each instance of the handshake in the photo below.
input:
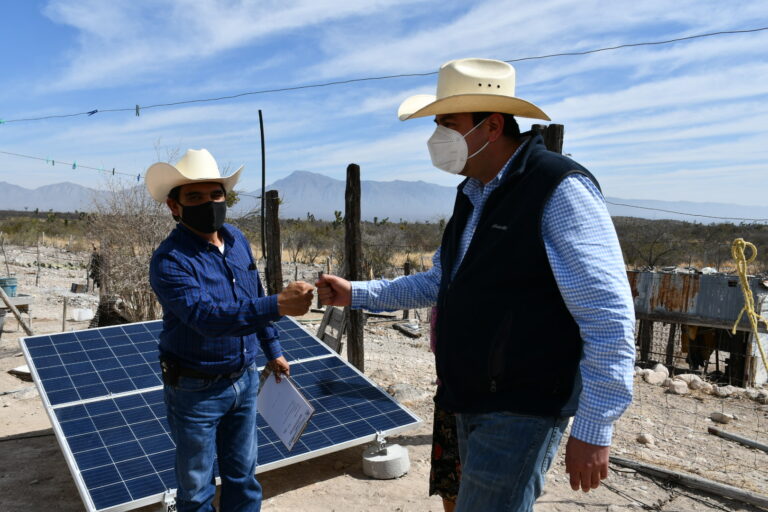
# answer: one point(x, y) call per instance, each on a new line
point(296, 298)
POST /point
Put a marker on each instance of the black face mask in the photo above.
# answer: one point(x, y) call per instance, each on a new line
point(207, 217)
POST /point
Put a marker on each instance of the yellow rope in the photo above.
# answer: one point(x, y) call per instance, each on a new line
point(737, 250)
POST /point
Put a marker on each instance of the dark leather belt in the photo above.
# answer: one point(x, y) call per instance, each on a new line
point(171, 372)
point(189, 372)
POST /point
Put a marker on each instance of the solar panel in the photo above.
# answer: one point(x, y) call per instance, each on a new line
point(117, 442)
point(85, 364)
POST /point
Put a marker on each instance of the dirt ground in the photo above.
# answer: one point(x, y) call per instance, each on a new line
point(34, 474)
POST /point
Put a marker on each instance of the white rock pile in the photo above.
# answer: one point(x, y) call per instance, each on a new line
point(686, 382)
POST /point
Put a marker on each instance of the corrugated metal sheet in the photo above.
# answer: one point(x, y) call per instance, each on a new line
point(698, 299)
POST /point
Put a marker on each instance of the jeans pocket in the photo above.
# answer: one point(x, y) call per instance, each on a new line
point(553, 443)
point(193, 384)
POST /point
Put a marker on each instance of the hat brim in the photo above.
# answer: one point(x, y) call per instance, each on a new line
point(422, 105)
point(161, 178)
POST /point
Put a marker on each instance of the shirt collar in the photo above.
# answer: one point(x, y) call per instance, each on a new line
point(196, 241)
point(475, 186)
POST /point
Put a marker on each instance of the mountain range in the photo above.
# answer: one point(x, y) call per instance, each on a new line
point(305, 193)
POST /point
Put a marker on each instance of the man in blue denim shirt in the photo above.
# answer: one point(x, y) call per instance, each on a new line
point(215, 311)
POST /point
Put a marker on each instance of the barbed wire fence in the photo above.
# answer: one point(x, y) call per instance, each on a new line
point(672, 431)
point(48, 253)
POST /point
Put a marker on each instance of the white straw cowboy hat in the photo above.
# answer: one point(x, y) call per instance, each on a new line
point(471, 85)
point(196, 166)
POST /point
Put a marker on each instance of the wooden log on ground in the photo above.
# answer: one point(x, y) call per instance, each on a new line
point(739, 439)
point(408, 329)
point(695, 482)
point(389, 316)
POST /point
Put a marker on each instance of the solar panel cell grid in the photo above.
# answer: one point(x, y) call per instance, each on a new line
point(120, 446)
point(98, 362)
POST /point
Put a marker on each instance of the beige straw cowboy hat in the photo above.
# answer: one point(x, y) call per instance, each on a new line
point(196, 166)
point(471, 85)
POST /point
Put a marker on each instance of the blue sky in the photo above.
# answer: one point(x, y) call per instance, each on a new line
point(685, 121)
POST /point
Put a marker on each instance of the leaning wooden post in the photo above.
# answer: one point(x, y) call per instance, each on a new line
point(274, 271)
point(352, 259)
point(406, 272)
point(15, 312)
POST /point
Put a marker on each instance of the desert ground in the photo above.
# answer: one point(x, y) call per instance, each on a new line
point(34, 474)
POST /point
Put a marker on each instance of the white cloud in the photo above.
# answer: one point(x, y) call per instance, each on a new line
point(676, 120)
point(122, 40)
point(505, 32)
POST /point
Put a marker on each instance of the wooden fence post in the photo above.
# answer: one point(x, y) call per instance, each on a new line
point(37, 277)
point(406, 272)
point(670, 360)
point(274, 271)
point(553, 136)
point(5, 258)
point(352, 259)
point(646, 339)
point(105, 271)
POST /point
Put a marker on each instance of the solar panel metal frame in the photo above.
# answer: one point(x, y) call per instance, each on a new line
point(158, 498)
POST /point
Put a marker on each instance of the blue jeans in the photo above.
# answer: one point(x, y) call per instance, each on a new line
point(504, 458)
point(215, 418)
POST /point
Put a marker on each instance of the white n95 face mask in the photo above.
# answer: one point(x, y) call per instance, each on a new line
point(448, 149)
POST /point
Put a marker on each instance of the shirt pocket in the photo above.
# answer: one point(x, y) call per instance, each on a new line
point(246, 279)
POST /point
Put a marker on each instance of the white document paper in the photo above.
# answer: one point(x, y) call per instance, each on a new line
point(284, 408)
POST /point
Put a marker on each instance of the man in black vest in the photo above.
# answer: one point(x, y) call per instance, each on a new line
point(535, 317)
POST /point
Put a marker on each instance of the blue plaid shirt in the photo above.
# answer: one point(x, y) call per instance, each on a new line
point(588, 266)
point(214, 308)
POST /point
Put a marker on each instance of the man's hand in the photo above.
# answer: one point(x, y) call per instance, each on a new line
point(279, 367)
point(334, 291)
point(586, 463)
point(295, 299)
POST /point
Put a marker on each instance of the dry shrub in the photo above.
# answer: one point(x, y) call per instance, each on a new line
point(129, 225)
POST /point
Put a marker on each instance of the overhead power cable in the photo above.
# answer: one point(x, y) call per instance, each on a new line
point(647, 43)
point(138, 108)
point(74, 165)
point(684, 213)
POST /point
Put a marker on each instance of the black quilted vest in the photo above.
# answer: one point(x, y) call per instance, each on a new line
point(505, 339)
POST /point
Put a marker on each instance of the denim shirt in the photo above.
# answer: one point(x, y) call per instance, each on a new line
point(214, 305)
